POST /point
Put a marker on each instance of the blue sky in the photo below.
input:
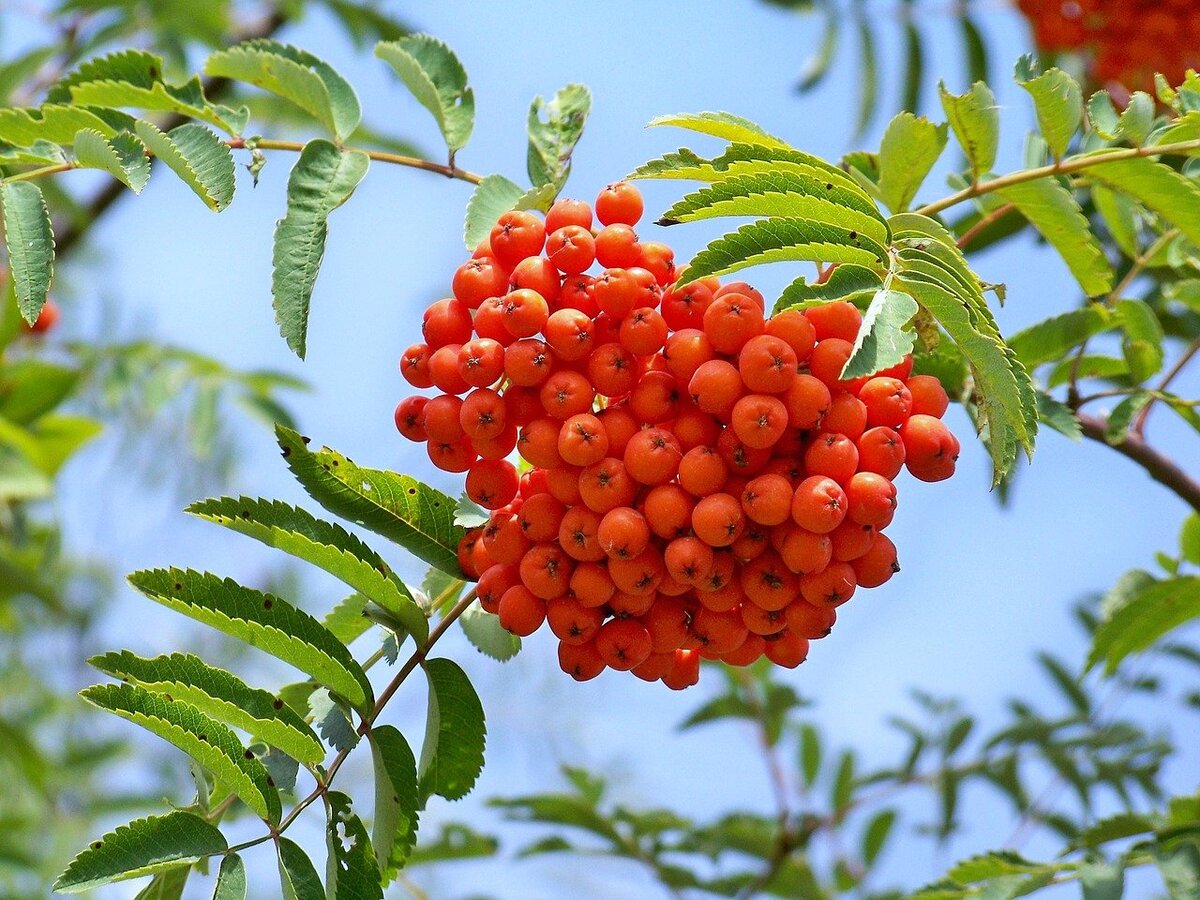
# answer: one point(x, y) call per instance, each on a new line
point(981, 587)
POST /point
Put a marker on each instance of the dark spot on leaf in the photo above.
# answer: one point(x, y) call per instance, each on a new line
point(307, 440)
point(395, 799)
point(270, 781)
point(287, 451)
point(168, 698)
point(325, 466)
point(178, 586)
point(245, 514)
point(829, 186)
point(854, 235)
point(412, 491)
point(268, 603)
point(278, 704)
point(96, 845)
point(249, 755)
point(336, 463)
point(204, 737)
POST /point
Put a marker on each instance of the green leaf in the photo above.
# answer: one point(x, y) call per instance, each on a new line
point(810, 754)
point(988, 866)
point(554, 129)
point(261, 620)
point(934, 272)
point(1056, 216)
point(323, 178)
point(197, 156)
point(782, 193)
point(876, 834)
point(845, 282)
point(1189, 539)
point(1051, 340)
point(396, 799)
point(1179, 864)
point(29, 237)
point(1143, 337)
point(55, 124)
point(843, 786)
point(884, 338)
point(123, 157)
point(402, 509)
point(492, 197)
point(166, 885)
point(975, 119)
point(722, 125)
point(486, 635)
point(1157, 186)
point(1058, 416)
point(231, 879)
point(454, 841)
point(1113, 828)
point(348, 620)
point(452, 753)
point(219, 694)
point(911, 145)
point(142, 847)
point(1153, 612)
point(294, 75)
point(297, 876)
point(1102, 880)
point(782, 240)
point(1058, 100)
point(201, 737)
point(30, 388)
point(324, 544)
point(437, 79)
point(351, 873)
point(1120, 216)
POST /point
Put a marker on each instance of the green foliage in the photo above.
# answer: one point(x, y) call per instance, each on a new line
point(397, 799)
point(1143, 618)
point(911, 145)
point(722, 125)
point(264, 621)
point(351, 872)
point(438, 80)
point(975, 119)
point(1157, 186)
point(554, 128)
point(123, 157)
point(231, 879)
point(496, 195)
point(203, 738)
point(297, 876)
point(30, 241)
point(402, 509)
point(884, 338)
point(323, 178)
point(485, 633)
point(1058, 100)
point(296, 76)
point(141, 848)
point(220, 695)
point(452, 753)
point(197, 156)
point(324, 544)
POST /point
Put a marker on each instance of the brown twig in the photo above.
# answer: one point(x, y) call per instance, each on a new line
point(974, 231)
point(1139, 421)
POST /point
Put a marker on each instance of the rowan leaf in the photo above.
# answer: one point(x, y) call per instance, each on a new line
point(231, 879)
point(1143, 337)
point(56, 123)
point(911, 145)
point(975, 119)
point(884, 338)
point(298, 877)
point(496, 195)
point(1156, 186)
point(1057, 99)
point(748, 159)
point(200, 158)
point(1148, 615)
point(219, 694)
point(452, 753)
point(201, 737)
point(123, 157)
point(324, 544)
point(142, 847)
point(727, 126)
point(1050, 340)
point(555, 127)
point(781, 240)
point(486, 635)
point(322, 179)
point(294, 75)
point(262, 620)
point(397, 799)
point(29, 237)
point(351, 872)
point(402, 509)
point(437, 79)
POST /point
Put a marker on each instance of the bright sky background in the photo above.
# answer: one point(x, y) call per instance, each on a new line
point(982, 586)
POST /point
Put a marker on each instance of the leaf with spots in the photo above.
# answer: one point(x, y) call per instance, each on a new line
point(975, 118)
point(397, 799)
point(201, 737)
point(352, 873)
point(784, 240)
point(402, 509)
point(261, 620)
point(452, 754)
point(142, 847)
point(324, 544)
point(219, 694)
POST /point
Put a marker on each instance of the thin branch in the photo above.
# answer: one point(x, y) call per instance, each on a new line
point(975, 230)
point(1161, 468)
point(1139, 422)
point(1066, 166)
point(396, 159)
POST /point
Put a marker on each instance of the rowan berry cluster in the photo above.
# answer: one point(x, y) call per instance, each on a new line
point(1127, 41)
point(702, 482)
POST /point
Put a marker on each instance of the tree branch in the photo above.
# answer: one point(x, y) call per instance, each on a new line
point(1161, 468)
point(68, 236)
